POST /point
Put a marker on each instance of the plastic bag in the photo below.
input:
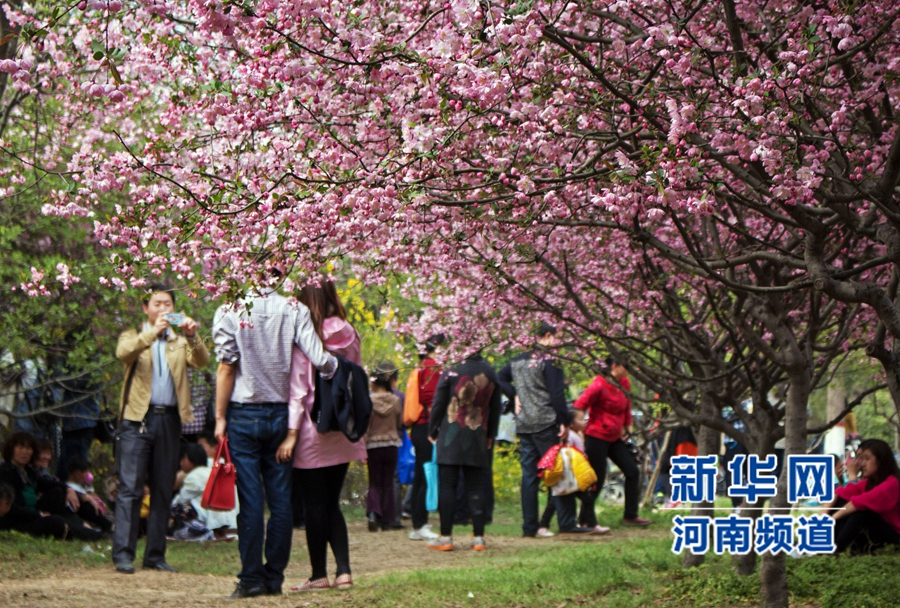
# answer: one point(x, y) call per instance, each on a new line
point(431, 481)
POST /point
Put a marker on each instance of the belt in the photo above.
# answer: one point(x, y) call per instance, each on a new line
point(238, 404)
point(163, 409)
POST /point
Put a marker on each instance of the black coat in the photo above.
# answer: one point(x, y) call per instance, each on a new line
point(466, 412)
point(19, 515)
point(342, 403)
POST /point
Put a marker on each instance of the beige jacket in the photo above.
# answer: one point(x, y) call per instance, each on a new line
point(134, 351)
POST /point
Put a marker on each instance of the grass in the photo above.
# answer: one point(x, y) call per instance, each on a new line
point(634, 570)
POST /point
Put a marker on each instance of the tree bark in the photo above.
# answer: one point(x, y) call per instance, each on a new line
point(707, 443)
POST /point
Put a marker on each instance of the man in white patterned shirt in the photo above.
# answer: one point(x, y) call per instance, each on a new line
point(253, 346)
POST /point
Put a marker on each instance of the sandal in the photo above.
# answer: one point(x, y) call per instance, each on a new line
point(344, 581)
point(320, 584)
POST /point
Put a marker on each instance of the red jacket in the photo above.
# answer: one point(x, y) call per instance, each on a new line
point(608, 409)
point(429, 374)
point(883, 499)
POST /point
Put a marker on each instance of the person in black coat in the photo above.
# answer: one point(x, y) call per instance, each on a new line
point(41, 505)
point(465, 415)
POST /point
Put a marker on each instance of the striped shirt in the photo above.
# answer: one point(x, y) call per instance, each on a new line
point(258, 338)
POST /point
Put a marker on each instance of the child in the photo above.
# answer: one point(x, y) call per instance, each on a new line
point(575, 439)
point(92, 509)
point(192, 520)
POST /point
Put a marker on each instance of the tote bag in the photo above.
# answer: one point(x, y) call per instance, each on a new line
point(431, 479)
point(219, 492)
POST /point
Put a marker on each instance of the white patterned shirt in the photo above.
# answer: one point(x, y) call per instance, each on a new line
point(258, 338)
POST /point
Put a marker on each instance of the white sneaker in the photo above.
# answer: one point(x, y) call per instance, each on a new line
point(423, 533)
point(545, 533)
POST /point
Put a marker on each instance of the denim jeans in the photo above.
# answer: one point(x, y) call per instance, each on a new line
point(532, 447)
point(254, 434)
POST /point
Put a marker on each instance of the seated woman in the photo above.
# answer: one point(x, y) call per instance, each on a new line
point(867, 513)
point(21, 512)
point(192, 521)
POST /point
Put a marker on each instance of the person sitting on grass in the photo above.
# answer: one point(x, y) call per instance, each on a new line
point(81, 479)
point(867, 513)
point(43, 458)
point(41, 506)
point(193, 522)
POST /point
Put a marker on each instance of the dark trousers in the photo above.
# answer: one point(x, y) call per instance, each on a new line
point(597, 452)
point(419, 437)
point(532, 447)
point(74, 443)
point(462, 505)
point(380, 499)
point(297, 509)
point(54, 502)
point(550, 509)
point(473, 478)
point(148, 458)
point(325, 524)
point(254, 434)
point(862, 530)
point(51, 525)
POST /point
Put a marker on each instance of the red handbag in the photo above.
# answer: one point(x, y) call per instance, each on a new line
point(219, 492)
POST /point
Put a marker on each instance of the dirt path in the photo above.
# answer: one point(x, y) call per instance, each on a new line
point(371, 554)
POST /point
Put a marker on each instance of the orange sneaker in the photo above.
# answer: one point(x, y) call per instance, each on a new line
point(441, 543)
point(478, 544)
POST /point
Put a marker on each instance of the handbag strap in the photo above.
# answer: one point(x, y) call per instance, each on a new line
point(222, 451)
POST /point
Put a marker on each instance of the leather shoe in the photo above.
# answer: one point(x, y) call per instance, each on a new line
point(240, 592)
point(161, 566)
point(125, 567)
point(274, 590)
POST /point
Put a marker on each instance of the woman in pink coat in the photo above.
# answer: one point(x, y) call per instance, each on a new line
point(321, 460)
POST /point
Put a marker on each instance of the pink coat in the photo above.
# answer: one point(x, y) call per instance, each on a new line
point(314, 449)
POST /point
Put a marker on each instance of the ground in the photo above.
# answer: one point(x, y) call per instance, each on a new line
point(628, 568)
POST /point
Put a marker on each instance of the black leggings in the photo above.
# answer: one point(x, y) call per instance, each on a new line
point(863, 530)
point(597, 452)
point(473, 479)
point(419, 437)
point(325, 523)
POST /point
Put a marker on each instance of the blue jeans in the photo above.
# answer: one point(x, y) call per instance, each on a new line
point(532, 447)
point(254, 434)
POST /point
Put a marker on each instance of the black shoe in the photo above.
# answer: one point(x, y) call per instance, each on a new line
point(373, 522)
point(274, 590)
point(125, 567)
point(575, 530)
point(393, 526)
point(161, 567)
point(240, 592)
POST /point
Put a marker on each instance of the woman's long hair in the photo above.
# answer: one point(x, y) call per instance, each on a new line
point(323, 302)
point(887, 466)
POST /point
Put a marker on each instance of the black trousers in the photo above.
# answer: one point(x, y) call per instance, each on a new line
point(54, 502)
point(148, 458)
point(473, 479)
point(864, 531)
point(380, 498)
point(597, 452)
point(297, 500)
point(419, 437)
point(325, 524)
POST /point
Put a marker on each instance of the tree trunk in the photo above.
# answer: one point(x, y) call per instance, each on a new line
point(707, 443)
point(772, 573)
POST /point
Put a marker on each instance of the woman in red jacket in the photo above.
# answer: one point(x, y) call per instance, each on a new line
point(609, 415)
point(867, 512)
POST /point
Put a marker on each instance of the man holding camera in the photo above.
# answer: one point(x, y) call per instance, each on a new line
point(156, 400)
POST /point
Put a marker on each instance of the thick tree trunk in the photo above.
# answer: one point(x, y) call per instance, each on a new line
point(707, 443)
point(772, 573)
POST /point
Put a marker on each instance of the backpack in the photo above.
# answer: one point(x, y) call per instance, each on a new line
point(342, 403)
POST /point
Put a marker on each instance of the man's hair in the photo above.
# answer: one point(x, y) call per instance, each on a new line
point(78, 464)
point(196, 454)
point(431, 345)
point(546, 330)
point(158, 288)
point(17, 439)
point(209, 438)
point(7, 493)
